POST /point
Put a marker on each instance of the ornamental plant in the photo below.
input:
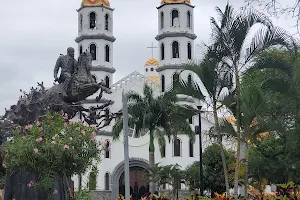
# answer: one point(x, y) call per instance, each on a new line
point(54, 147)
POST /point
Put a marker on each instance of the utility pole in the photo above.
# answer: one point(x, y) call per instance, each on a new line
point(126, 150)
point(200, 151)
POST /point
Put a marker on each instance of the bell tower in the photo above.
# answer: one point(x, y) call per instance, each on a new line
point(95, 35)
point(176, 40)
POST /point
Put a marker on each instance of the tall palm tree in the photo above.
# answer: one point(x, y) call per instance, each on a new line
point(253, 120)
point(231, 34)
point(215, 79)
point(160, 117)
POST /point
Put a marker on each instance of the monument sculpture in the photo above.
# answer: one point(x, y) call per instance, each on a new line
point(74, 84)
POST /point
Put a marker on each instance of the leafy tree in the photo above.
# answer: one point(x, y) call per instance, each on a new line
point(160, 117)
point(213, 170)
point(168, 174)
point(229, 35)
point(54, 147)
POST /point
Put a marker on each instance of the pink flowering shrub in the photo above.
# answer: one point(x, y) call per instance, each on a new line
point(52, 147)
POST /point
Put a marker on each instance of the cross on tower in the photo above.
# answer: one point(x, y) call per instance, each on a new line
point(152, 48)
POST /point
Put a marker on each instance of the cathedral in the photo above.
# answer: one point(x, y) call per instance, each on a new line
point(175, 40)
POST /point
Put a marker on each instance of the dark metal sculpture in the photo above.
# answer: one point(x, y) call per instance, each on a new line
point(73, 86)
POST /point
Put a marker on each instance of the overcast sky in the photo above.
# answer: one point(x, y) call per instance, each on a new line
point(33, 33)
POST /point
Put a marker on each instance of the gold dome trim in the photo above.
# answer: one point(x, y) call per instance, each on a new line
point(175, 1)
point(95, 3)
point(152, 61)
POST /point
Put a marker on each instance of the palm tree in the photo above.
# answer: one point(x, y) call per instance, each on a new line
point(253, 120)
point(160, 117)
point(230, 35)
point(215, 79)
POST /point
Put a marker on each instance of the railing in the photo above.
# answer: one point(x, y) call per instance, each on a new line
point(135, 76)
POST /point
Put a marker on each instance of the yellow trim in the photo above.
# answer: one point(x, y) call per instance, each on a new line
point(95, 3)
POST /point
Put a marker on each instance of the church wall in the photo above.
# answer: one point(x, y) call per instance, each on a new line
point(183, 9)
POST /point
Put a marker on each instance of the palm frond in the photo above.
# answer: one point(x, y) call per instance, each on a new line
point(280, 85)
point(117, 128)
point(134, 96)
point(274, 59)
point(227, 128)
point(267, 37)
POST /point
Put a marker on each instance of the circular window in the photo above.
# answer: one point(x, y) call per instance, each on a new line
point(152, 69)
point(146, 69)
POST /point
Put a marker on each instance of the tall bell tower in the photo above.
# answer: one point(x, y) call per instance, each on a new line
point(95, 35)
point(176, 40)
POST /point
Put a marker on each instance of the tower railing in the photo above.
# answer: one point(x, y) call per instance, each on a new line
point(135, 76)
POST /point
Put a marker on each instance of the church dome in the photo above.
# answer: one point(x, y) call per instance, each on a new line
point(95, 3)
point(175, 1)
point(152, 61)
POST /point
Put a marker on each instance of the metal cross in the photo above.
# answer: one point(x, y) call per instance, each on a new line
point(152, 48)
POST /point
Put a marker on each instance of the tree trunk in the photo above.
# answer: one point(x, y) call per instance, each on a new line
point(238, 137)
point(151, 160)
point(217, 125)
point(246, 171)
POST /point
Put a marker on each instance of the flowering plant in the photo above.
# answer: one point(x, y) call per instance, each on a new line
point(51, 148)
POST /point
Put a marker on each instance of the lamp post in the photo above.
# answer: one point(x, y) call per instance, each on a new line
point(126, 150)
point(200, 152)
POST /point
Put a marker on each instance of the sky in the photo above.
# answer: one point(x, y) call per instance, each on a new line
point(34, 33)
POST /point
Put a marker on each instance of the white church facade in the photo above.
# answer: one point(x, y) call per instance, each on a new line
point(175, 41)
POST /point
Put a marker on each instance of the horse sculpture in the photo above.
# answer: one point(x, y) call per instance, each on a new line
point(75, 84)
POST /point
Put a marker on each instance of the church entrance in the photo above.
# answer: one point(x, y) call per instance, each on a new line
point(139, 182)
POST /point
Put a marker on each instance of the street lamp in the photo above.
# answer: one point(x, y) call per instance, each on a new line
point(200, 152)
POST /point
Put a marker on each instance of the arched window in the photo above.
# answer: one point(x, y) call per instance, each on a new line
point(175, 17)
point(162, 83)
point(188, 16)
point(80, 22)
point(106, 22)
point(107, 58)
point(175, 49)
point(93, 179)
point(93, 51)
point(106, 179)
point(162, 51)
point(189, 49)
point(177, 147)
point(107, 149)
point(162, 20)
point(163, 152)
point(92, 20)
point(107, 84)
point(175, 79)
point(80, 50)
point(191, 148)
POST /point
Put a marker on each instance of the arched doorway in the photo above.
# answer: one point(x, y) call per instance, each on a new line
point(138, 167)
point(139, 182)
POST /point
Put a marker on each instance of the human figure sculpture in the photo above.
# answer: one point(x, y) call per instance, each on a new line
point(67, 64)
